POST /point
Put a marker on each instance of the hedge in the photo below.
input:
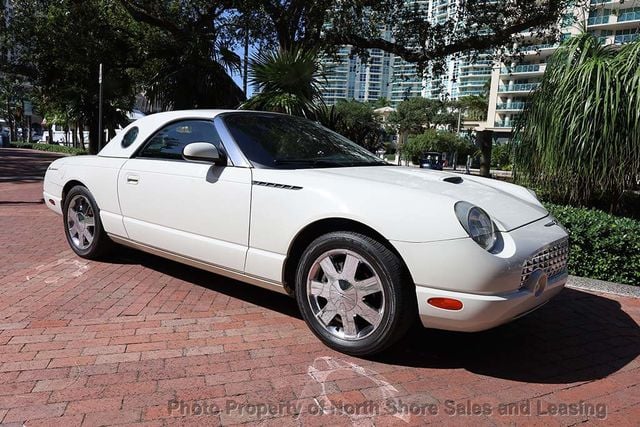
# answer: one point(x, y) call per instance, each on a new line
point(54, 148)
point(602, 246)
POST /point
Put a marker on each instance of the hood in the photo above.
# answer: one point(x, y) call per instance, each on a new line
point(510, 206)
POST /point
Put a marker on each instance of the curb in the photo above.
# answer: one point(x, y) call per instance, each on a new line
point(594, 285)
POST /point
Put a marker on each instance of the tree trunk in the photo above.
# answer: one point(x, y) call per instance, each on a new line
point(51, 134)
point(93, 137)
point(74, 136)
point(81, 133)
point(485, 142)
point(402, 139)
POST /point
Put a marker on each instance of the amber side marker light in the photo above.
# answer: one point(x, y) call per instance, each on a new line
point(446, 303)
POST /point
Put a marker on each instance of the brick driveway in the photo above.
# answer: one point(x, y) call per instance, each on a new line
point(138, 339)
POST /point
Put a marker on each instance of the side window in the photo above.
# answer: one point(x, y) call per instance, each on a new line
point(169, 141)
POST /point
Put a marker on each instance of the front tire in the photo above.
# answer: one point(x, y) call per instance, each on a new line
point(82, 224)
point(354, 293)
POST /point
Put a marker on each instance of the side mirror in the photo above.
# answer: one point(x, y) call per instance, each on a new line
point(203, 152)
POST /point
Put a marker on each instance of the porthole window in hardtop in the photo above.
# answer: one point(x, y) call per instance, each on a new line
point(129, 137)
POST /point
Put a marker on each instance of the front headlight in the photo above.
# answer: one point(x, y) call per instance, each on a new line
point(477, 223)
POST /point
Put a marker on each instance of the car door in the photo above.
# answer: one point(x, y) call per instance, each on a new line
point(197, 210)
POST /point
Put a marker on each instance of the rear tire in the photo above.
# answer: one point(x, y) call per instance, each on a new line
point(82, 224)
point(354, 293)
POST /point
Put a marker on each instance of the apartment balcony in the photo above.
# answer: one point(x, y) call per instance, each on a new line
point(518, 88)
point(629, 16)
point(626, 38)
point(476, 83)
point(504, 124)
point(524, 69)
point(601, 20)
point(541, 49)
point(511, 106)
point(472, 72)
point(479, 63)
point(469, 92)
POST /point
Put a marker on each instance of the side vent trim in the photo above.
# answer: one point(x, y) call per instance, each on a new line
point(274, 185)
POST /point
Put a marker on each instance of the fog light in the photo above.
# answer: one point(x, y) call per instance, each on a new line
point(53, 202)
point(445, 303)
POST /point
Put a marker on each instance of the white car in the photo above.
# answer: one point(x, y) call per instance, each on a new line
point(283, 203)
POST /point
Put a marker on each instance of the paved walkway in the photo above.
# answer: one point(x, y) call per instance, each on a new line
point(138, 339)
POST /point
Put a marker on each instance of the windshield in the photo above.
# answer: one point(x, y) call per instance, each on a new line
point(288, 142)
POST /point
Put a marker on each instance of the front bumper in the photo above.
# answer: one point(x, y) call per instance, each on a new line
point(53, 202)
point(489, 285)
point(481, 312)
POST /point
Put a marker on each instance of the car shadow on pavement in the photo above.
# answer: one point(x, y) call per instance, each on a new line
point(232, 288)
point(577, 336)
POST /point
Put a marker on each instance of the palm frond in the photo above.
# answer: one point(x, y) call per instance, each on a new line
point(579, 138)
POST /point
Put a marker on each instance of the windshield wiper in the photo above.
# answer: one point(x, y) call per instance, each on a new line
point(355, 164)
point(307, 162)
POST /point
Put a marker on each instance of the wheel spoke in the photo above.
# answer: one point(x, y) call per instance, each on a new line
point(349, 269)
point(90, 221)
point(327, 314)
point(367, 313)
point(73, 216)
point(368, 286)
point(336, 288)
point(319, 289)
point(88, 237)
point(328, 268)
point(349, 324)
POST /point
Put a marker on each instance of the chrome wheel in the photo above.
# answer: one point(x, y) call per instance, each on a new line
point(81, 222)
point(345, 294)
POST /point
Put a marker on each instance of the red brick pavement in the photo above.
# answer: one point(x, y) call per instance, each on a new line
point(140, 340)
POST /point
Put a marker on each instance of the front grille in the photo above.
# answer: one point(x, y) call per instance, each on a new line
point(552, 260)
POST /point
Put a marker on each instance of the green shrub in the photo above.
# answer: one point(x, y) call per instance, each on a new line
point(53, 148)
point(603, 246)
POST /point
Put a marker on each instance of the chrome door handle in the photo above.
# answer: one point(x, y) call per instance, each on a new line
point(132, 179)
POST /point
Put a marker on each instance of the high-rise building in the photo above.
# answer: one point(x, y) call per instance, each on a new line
point(613, 22)
point(349, 77)
point(389, 76)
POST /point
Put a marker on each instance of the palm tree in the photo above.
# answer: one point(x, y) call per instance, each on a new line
point(579, 140)
point(287, 81)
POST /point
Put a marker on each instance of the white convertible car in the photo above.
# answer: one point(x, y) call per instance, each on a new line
point(283, 203)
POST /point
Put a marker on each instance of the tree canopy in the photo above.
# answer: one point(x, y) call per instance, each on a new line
point(179, 53)
point(358, 122)
point(433, 140)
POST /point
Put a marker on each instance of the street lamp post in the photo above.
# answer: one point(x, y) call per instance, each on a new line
point(99, 110)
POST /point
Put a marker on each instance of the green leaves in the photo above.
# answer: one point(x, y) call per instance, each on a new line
point(579, 140)
point(287, 81)
point(602, 246)
point(414, 114)
point(433, 140)
point(358, 122)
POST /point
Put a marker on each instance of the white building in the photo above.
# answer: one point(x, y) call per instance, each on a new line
point(613, 22)
point(389, 76)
